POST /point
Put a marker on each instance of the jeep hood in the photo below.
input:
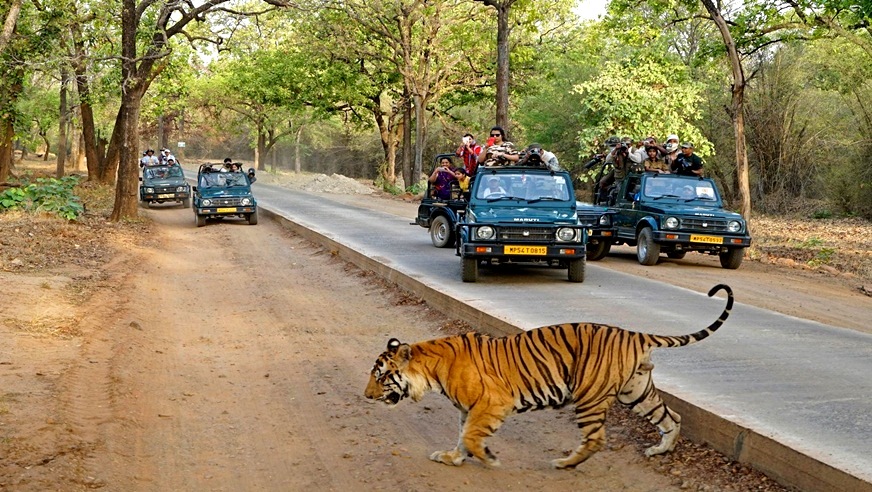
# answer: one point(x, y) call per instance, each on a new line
point(526, 215)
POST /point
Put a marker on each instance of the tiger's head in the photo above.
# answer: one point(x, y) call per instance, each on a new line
point(387, 382)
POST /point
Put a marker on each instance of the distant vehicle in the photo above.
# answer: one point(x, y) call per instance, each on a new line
point(160, 184)
point(440, 216)
point(221, 194)
point(521, 214)
point(672, 214)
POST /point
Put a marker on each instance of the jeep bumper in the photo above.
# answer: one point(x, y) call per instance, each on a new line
point(700, 241)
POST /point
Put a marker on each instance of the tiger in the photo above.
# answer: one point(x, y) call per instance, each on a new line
point(487, 379)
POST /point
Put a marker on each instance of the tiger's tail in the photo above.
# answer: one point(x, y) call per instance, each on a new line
point(680, 341)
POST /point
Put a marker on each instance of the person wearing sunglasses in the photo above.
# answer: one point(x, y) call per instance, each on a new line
point(497, 151)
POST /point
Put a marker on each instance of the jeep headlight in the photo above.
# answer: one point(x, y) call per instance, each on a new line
point(484, 232)
point(246, 201)
point(182, 189)
point(671, 223)
point(567, 234)
point(207, 203)
point(734, 226)
point(149, 190)
point(605, 220)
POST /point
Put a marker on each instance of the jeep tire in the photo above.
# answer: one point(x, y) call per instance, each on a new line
point(731, 259)
point(676, 255)
point(469, 269)
point(576, 269)
point(440, 232)
point(186, 202)
point(647, 251)
point(201, 220)
point(598, 251)
point(252, 218)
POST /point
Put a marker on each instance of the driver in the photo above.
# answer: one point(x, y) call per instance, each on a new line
point(493, 188)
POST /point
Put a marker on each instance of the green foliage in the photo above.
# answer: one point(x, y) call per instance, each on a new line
point(416, 188)
point(640, 98)
point(45, 195)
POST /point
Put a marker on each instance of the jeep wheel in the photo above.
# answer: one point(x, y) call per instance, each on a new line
point(186, 202)
point(598, 251)
point(676, 255)
point(732, 258)
point(252, 218)
point(201, 220)
point(647, 251)
point(576, 270)
point(469, 269)
point(440, 232)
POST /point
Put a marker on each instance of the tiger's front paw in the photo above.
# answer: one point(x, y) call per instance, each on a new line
point(453, 457)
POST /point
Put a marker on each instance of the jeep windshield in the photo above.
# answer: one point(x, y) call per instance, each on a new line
point(163, 172)
point(532, 187)
point(680, 188)
point(223, 180)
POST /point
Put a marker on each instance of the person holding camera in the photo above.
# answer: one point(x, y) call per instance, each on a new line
point(441, 178)
point(468, 153)
point(498, 151)
point(535, 155)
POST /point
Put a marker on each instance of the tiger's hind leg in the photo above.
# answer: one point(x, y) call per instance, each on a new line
point(640, 395)
point(591, 420)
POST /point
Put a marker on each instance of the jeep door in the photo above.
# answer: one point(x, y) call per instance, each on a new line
point(627, 208)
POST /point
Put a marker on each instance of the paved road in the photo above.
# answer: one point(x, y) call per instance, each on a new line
point(802, 383)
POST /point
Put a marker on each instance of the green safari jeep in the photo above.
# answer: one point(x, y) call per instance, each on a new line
point(221, 194)
point(672, 214)
point(521, 214)
point(160, 184)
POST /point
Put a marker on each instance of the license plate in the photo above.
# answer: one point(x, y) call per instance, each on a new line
point(223, 210)
point(166, 195)
point(706, 239)
point(525, 250)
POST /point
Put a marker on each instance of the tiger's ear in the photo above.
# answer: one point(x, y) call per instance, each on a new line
point(404, 353)
point(393, 344)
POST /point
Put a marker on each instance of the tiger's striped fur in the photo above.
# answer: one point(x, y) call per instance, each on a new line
point(488, 379)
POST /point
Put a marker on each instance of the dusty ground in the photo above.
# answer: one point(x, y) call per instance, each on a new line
point(158, 356)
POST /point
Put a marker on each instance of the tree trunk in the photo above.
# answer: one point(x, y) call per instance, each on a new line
point(93, 159)
point(409, 177)
point(62, 126)
point(420, 128)
point(737, 108)
point(9, 24)
point(47, 146)
point(260, 150)
point(7, 133)
point(297, 164)
point(503, 64)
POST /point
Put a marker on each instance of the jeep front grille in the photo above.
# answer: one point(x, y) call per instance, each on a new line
point(226, 202)
point(165, 189)
point(522, 234)
point(703, 224)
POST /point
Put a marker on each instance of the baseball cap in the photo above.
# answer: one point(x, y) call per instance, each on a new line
point(687, 145)
point(672, 137)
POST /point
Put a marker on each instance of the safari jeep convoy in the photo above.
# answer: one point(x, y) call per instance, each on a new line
point(672, 214)
point(222, 194)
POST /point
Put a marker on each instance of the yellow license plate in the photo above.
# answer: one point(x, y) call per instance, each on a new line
point(525, 250)
point(706, 239)
point(222, 210)
point(165, 195)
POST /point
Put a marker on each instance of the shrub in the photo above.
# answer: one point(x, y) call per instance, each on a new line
point(45, 195)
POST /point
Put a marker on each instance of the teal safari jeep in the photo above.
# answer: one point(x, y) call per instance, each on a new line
point(521, 214)
point(160, 184)
point(672, 214)
point(220, 194)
